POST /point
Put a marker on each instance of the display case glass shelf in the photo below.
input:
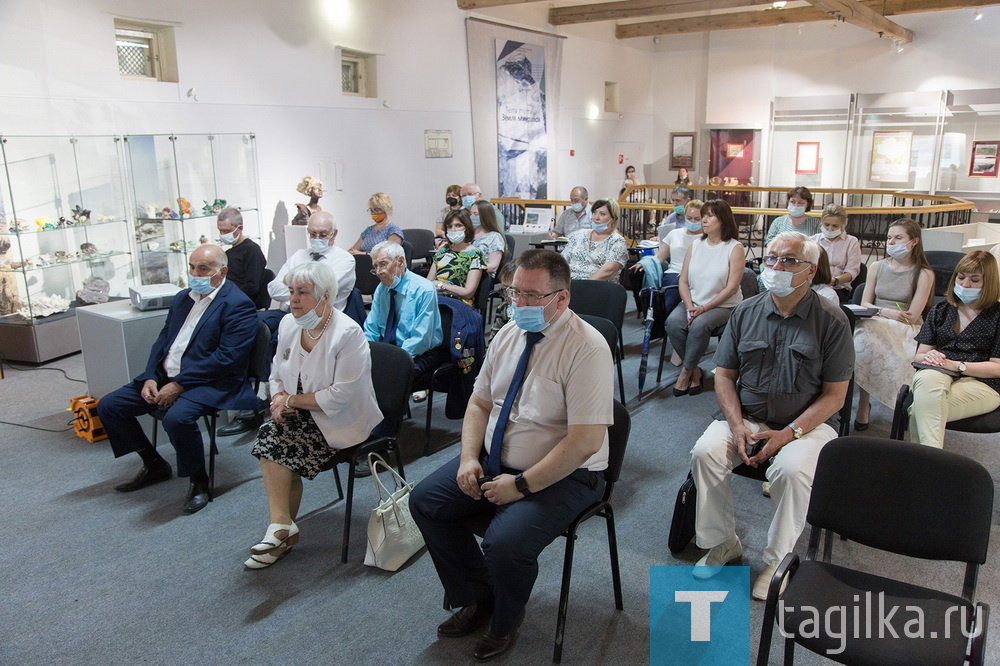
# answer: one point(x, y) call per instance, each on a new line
point(180, 182)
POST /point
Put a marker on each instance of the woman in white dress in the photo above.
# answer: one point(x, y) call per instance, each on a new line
point(901, 287)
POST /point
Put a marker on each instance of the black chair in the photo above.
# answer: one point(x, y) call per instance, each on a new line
point(748, 287)
point(255, 369)
point(422, 242)
point(607, 329)
point(934, 505)
point(601, 299)
point(447, 367)
point(263, 299)
point(983, 424)
point(861, 278)
point(364, 280)
point(408, 254)
point(618, 434)
point(511, 244)
point(858, 294)
point(943, 263)
point(392, 377)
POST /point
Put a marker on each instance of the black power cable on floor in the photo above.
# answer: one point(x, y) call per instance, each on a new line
point(29, 369)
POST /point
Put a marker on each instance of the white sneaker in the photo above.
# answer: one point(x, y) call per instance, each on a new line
point(719, 556)
point(763, 582)
point(765, 487)
point(419, 396)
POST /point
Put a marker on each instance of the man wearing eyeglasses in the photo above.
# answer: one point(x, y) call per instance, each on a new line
point(534, 451)
point(322, 231)
point(784, 364)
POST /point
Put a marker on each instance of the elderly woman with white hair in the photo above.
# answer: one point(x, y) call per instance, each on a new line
point(322, 400)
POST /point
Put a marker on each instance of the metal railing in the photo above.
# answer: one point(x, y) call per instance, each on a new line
point(870, 212)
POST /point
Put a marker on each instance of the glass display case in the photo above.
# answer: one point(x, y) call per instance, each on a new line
point(180, 183)
point(64, 239)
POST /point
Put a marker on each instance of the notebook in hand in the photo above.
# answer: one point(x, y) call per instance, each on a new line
point(924, 366)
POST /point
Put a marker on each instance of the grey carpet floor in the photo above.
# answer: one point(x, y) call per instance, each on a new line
point(93, 576)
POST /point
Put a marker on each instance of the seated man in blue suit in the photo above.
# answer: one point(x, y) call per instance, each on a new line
point(197, 364)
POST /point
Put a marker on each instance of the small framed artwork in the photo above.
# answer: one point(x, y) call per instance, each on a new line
point(807, 157)
point(734, 151)
point(890, 162)
point(681, 150)
point(984, 159)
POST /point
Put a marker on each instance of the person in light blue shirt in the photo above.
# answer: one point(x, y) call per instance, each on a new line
point(575, 217)
point(417, 328)
point(679, 198)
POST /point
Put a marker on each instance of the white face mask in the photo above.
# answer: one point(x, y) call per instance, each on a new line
point(577, 207)
point(320, 245)
point(230, 238)
point(309, 320)
point(897, 251)
point(831, 234)
point(456, 236)
point(796, 211)
point(779, 283)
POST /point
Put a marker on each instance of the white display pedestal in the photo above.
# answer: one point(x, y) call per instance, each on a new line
point(116, 339)
point(296, 239)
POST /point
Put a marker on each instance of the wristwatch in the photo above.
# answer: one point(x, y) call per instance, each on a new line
point(962, 367)
point(796, 430)
point(521, 485)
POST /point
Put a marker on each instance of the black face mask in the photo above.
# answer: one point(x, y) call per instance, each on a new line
point(452, 201)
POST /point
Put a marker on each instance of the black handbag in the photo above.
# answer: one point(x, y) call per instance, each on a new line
point(682, 524)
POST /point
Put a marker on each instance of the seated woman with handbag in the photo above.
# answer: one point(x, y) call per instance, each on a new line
point(710, 288)
point(458, 265)
point(322, 400)
point(959, 349)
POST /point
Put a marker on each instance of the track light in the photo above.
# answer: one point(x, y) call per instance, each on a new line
point(978, 15)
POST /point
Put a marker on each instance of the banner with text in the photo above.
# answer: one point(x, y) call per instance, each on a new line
point(521, 139)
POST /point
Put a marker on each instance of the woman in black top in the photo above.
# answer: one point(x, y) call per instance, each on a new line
point(960, 340)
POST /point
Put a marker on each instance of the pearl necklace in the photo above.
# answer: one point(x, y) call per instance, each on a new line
point(322, 330)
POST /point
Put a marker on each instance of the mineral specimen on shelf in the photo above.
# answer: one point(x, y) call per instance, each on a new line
point(185, 205)
point(95, 290)
point(44, 223)
point(81, 215)
point(213, 208)
point(88, 249)
point(45, 305)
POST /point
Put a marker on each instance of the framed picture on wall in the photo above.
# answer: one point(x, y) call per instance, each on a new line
point(984, 159)
point(681, 150)
point(734, 151)
point(807, 157)
point(890, 162)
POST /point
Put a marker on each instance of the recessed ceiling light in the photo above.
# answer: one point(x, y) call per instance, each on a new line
point(778, 4)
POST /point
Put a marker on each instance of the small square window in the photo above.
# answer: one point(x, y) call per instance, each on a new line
point(145, 51)
point(349, 80)
point(357, 74)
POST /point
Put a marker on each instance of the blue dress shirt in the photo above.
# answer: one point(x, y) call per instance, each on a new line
point(419, 328)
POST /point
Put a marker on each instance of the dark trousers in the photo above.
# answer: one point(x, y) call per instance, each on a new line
point(119, 411)
point(507, 565)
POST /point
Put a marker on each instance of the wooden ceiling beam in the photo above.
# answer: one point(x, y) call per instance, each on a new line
point(772, 17)
point(481, 4)
point(605, 11)
point(856, 13)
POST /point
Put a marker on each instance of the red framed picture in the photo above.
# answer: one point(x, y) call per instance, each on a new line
point(984, 159)
point(734, 151)
point(807, 157)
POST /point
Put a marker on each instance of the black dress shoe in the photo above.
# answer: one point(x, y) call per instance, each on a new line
point(146, 477)
point(198, 497)
point(491, 646)
point(239, 425)
point(679, 392)
point(860, 426)
point(466, 621)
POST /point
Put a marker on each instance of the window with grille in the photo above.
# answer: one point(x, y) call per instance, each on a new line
point(145, 51)
point(357, 74)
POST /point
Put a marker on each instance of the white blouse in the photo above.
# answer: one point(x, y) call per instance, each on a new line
point(338, 370)
point(708, 272)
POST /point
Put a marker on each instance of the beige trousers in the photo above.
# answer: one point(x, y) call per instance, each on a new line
point(939, 398)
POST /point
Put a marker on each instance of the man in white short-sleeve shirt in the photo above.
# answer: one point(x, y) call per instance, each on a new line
point(554, 449)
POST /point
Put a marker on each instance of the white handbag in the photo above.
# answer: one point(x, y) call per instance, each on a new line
point(393, 537)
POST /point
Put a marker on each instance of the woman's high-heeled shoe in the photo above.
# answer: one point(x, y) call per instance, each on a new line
point(695, 389)
point(271, 542)
point(267, 559)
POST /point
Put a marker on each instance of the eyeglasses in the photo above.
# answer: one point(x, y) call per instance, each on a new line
point(375, 211)
point(322, 235)
point(514, 294)
point(381, 266)
point(787, 262)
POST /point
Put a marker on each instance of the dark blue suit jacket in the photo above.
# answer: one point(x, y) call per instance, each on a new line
point(214, 366)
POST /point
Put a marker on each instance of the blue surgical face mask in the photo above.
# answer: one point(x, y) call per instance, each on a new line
point(475, 222)
point(201, 285)
point(601, 228)
point(779, 283)
point(467, 201)
point(693, 227)
point(395, 282)
point(310, 319)
point(319, 245)
point(897, 251)
point(796, 211)
point(577, 207)
point(531, 318)
point(967, 294)
point(456, 236)
point(230, 238)
point(679, 209)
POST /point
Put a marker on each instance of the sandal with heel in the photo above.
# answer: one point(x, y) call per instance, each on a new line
point(272, 542)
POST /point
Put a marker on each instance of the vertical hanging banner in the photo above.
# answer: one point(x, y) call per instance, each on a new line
point(521, 139)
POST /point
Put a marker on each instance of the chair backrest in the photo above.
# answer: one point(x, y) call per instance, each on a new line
point(605, 328)
point(862, 276)
point(481, 299)
point(392, 378)
point(408, 253)
point(934, 505)
point(858, 294)
point(422, 241)
point(363, 278)
point(618, 433)
point(598, 298)
point(263, 297)
point(846, 411)
point(258, 354)
point(748, 283)
point(943, 263)
point(508, 255)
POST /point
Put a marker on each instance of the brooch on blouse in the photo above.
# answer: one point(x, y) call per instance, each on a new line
point(284, 356)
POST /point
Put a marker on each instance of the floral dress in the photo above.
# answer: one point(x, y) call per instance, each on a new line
point(297, 444)
point(585, 256)
point(453, 267)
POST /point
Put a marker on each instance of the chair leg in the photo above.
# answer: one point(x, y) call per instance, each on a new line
point(564, 596)
point(430, 413)
point(394, 448)
point(789, 651)
point(621, 380)
point(347, 509)
point(210, 423)
point(616, 577)
point(663, 354)
point(336, 478)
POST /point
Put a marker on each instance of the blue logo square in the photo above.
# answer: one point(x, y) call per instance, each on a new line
point(694, 621)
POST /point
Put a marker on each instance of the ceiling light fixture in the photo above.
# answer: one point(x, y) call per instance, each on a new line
point(978, 15)
point(778, 4)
